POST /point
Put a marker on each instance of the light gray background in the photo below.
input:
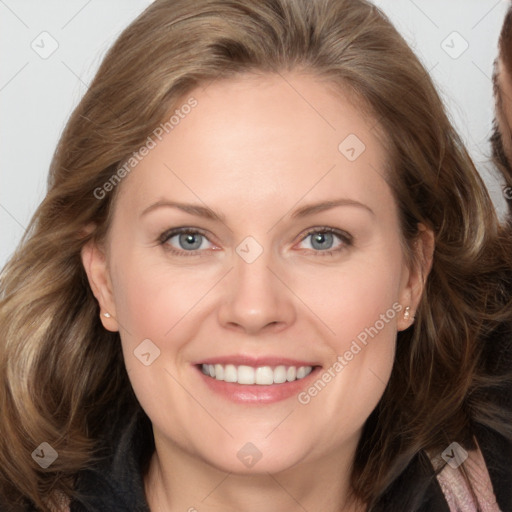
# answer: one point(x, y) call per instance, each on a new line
point(38, 94)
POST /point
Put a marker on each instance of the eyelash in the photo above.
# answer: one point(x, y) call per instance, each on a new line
point(345, 238)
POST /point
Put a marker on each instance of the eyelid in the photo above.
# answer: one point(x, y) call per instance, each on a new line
point(166, 235)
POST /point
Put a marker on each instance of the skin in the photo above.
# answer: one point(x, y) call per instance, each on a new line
point(255, 151)
point(502, 136)
point(504, 114)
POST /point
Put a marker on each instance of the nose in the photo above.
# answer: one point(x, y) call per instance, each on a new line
point(256, 297)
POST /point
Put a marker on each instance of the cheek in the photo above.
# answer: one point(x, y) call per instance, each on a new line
point(360, 306)
point(351, 298)
point(156, 304)
point(152, 298)
point(165, 305)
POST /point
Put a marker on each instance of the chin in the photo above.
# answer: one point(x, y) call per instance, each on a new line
point(255, 462)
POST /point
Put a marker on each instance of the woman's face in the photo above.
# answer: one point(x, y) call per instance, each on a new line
point(290, 258)
point(504, 110)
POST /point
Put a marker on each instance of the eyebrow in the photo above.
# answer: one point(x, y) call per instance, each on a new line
point(192, 209)
point(327, 205)
point(208, 213)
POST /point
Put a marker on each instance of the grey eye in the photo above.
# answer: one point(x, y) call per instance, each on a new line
point(186, 241)
point(190, 241)
point(322, 240)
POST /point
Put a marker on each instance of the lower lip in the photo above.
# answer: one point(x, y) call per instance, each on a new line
point(257, 394)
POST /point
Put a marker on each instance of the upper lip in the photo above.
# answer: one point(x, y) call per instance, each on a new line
point(238, 360)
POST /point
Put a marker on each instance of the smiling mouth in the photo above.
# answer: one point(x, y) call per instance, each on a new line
point(258, 376)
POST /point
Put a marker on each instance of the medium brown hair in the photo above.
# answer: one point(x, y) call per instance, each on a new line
point(61, 372)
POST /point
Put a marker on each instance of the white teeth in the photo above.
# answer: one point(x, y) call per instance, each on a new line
point(280, 374)
point(245, 375)
point(261, 376)
point(219, 371)
point(264, 376)
point(230, 373)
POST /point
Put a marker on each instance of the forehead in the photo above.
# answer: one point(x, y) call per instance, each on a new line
point(266, 137)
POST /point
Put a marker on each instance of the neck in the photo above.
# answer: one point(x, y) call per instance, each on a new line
point(178, 481)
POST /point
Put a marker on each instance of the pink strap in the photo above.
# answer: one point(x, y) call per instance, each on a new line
point(455, 488)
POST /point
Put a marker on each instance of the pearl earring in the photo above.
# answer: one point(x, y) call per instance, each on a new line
point(407, 313)
point(106, 315)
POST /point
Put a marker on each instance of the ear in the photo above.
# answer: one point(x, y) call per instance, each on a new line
point(416, 276)
point(95, 264)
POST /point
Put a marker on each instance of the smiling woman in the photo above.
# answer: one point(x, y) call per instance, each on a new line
point(286, 302)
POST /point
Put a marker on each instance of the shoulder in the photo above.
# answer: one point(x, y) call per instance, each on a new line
point(115, 484)
point(494, 442)
point(465, 481)
point(496, 452)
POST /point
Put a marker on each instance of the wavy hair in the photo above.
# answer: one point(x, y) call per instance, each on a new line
point(62, 376)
